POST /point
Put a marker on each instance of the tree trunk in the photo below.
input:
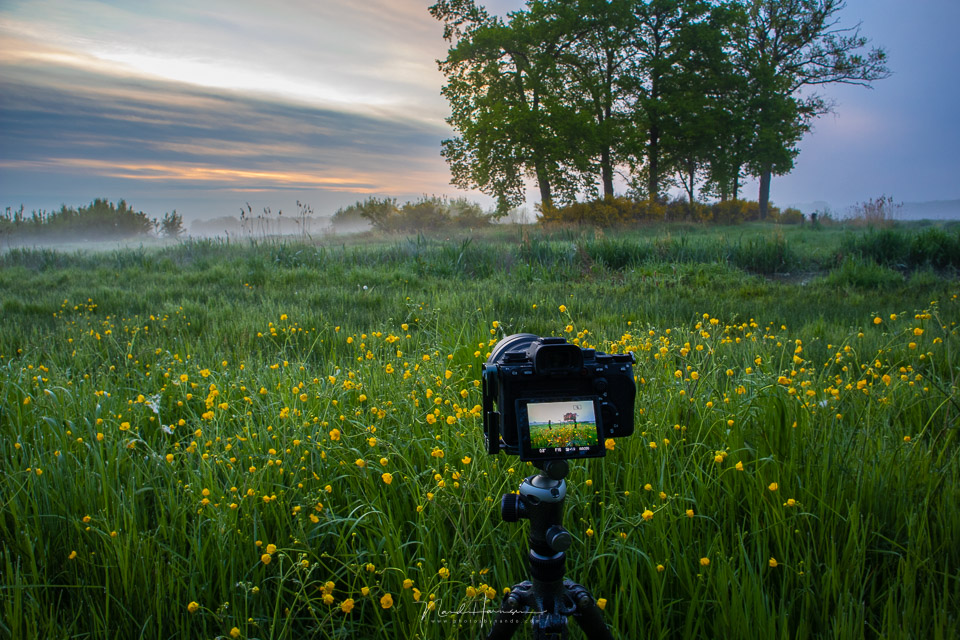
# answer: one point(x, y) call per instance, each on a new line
point(653, 164)
point(606, 172)
point(543, 182)
point(764, 192)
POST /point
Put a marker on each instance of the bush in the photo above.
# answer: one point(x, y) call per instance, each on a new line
point(735, 211)
point(429, 212)
point(605, 212)
point(787, 216)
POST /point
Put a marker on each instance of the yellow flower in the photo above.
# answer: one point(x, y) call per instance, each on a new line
point(347, 605)
point(124, 426)
point(386, 601)
point(647, 515)
point(72, 556)
point(704, 562)
point(773, 486)
point(718, 458)
point(660, 568)
point(918, 331)
point(877, 320)
point(271, 549)
point(689, 513)
point(370, 567)
point(387, 478)
point(609, 444)
point(562, 308)
point(193, 607)
point(364, 591)
point(335, 435)
point(444, 573)
point(773, 563)
point(589, 533)
point(327, 599)
point(235, 632)
point(739, 466)
point(266, 558)
point(602, 603)
point(466, 460)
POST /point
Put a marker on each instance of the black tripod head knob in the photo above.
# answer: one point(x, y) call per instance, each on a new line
point(558, 538)
point(554, 469)
point(511, 507)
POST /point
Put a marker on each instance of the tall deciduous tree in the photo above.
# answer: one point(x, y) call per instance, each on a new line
point(503, 89)
point(597, 60)
point(784, 48)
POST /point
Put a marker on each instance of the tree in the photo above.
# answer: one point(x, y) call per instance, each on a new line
point(171, 226)
point(658, 84)
point(783, 48)
point(596, 59)
point(502, 86)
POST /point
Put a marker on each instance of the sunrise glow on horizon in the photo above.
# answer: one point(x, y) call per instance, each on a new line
point(194, 106)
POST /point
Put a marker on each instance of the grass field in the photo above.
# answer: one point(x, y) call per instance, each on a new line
point(276, 440)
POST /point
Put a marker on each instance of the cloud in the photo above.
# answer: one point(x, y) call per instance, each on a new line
point(63, 121)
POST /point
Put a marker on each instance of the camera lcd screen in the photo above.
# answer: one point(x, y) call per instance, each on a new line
point(559, 428)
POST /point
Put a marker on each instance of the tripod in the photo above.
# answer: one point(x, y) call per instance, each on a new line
point(548, 596)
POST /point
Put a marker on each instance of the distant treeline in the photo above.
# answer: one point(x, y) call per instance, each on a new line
point(100, 219)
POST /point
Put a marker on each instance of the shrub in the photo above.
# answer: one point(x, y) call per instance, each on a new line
point(787, 216)
point(605, 212)
point(429, 212)
point(735, 211)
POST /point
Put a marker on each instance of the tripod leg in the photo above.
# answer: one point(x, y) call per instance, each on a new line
point(513, 611)
point(588, 615)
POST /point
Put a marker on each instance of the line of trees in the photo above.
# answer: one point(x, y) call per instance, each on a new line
point(698, 94)
point(100, 219)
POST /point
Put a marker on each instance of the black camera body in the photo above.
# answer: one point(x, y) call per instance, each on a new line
point(555, 400)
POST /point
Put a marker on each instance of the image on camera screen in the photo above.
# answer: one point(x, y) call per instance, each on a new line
point(570, 425)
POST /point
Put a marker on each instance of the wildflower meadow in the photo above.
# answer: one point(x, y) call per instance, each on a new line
point(283, 440)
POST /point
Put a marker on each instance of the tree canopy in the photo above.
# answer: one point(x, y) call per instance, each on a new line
point(697, 94)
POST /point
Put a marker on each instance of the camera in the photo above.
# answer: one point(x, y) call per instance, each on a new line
point(547, 399)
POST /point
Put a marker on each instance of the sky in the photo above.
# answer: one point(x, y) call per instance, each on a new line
point(204, 107)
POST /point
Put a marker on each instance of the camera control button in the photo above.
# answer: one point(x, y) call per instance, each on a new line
point(600, 385)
